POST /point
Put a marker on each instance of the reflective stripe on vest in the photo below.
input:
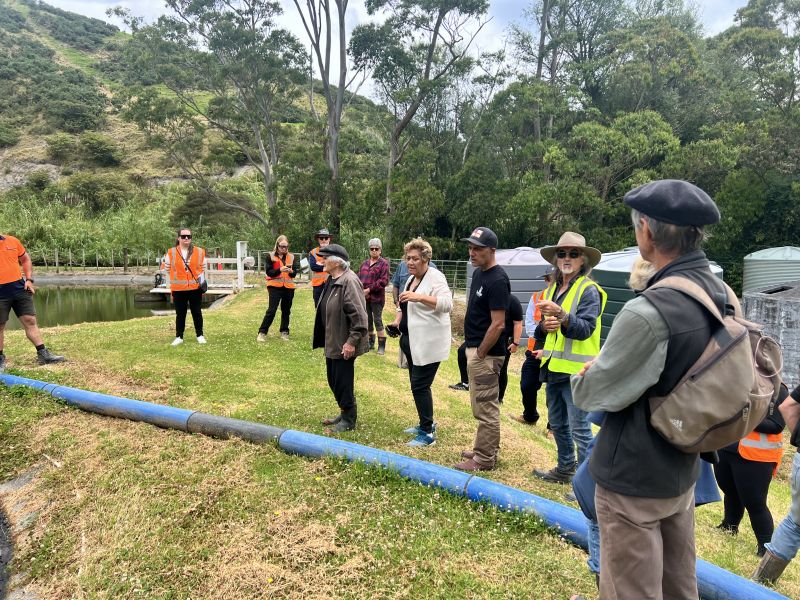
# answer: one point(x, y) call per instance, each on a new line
point(181, 280)
point(762, 447)
point(318, 277)
point(566, 355)
point(537, 316)
point(283, 279)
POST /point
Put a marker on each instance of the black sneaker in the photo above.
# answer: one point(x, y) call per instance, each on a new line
point(45, 357)
point(555, 475)
point(460, 386)
point(2, 362)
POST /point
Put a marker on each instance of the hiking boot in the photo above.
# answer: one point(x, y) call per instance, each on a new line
point(521, 419)
point(381, 346)
point(285, 336)
point(470, 465)
point(423, 439)
point(2, 362)
point(332, 420)
point(467, 454)
point(769, 569)
point(45, 357)
point(556, 474)
point(201, 339)
point(177, 341)
point(261, 337)
point(460, 386)
point(341, 426)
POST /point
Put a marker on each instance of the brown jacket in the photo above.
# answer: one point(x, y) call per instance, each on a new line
point(345, 317)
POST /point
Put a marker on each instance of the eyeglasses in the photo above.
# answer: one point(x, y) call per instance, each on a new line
point(185, 236)
point(571, 253)
point(323, 237)
point(283, 245)
point(374, 249)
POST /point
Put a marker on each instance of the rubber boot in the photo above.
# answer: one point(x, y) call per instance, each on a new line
point(371, 342)
point(769, 569)
point(348, 422)
point(381, 346)
point(332, 420)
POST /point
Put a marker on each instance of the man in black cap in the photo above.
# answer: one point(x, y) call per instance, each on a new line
point(484, 324)
point(317, 265)
point(645, 486)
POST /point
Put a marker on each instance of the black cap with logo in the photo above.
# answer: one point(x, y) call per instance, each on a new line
point(482, 236)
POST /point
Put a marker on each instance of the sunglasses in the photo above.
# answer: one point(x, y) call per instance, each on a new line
point(571, 254)
point(283, 245)
point(185, 236)
point(374, 249)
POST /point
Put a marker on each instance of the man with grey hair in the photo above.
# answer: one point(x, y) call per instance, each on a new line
point(645, 486)
point(374, 276)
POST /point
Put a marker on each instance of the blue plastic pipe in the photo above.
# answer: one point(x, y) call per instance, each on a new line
point(714, 583)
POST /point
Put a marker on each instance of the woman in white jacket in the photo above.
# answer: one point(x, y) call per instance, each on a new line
point(423, 319)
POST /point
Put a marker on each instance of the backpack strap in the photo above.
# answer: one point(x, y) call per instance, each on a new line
point(693, 290)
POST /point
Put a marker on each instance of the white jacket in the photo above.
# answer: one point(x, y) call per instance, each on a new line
point(429, 329)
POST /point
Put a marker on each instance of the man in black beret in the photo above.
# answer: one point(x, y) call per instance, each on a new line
point(645, 486)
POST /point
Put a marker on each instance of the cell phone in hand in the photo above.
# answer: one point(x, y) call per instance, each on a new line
point(393, 331)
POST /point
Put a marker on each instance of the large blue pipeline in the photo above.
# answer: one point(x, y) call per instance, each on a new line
point(714, 583)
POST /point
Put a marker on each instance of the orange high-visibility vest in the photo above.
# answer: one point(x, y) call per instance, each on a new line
point(318, 277)
point(283, 279)
point(537, 316)
point(762, 447)
point(181, 280)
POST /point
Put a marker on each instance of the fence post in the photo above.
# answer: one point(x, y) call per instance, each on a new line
point(97, 260)
point(55, 253)
point(83, 258)
point(112, 259)
point(70, 258)
point(124, 260)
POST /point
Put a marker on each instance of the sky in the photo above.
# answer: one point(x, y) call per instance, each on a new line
point(716, 15)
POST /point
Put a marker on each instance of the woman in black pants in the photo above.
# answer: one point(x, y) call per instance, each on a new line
point(184, 263)
point(281, 271)
point(744, 472)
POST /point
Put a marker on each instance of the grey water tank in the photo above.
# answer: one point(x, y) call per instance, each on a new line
point(612, 273)
point(777, 308)
point(771, 267)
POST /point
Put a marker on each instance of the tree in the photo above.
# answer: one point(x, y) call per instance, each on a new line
point(416, 51)
point(232, 67)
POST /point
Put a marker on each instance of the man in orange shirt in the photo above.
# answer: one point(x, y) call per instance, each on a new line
point(17, 292)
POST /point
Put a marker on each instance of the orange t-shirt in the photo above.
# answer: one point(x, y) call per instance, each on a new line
point(11, 250)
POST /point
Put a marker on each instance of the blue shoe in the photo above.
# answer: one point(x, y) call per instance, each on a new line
point(417, 430)
point(423, 439)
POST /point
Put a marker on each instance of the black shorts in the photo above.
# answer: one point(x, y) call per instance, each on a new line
point(22, 304)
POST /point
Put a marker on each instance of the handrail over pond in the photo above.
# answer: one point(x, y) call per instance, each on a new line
point(714, 583)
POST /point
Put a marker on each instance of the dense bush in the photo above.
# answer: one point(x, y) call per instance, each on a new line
point(61, 146)
point(8, 135)
point(100, 149)
point(73, 29)
point(97, 192)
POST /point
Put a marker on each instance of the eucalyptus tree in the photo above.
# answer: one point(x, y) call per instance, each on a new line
point(420, 47)
point(230, 68)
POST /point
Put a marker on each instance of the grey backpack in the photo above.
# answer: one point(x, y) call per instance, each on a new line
point(732, 386)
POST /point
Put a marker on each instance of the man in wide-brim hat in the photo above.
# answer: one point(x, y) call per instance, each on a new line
point(570, 333)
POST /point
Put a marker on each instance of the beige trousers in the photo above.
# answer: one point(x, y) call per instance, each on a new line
point(646, 547)
point(484, 395)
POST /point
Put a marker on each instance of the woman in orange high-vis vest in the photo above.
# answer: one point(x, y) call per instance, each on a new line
point(744, 472)
point(316, 264)
point(281, 271)
point(184, 263)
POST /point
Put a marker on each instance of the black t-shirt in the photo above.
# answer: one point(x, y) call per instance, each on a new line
point(513, 313)
point(490, 291)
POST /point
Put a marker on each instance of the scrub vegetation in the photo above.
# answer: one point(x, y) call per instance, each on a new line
point(130, 510)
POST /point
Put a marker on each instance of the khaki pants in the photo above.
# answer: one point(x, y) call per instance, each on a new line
point(484, 395)
point(646, 547)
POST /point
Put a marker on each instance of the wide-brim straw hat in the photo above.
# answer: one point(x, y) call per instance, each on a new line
point(572, 240)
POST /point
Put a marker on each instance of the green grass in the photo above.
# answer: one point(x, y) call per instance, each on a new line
point(130, 510)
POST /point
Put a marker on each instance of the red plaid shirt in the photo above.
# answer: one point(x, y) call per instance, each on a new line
point(376, 278)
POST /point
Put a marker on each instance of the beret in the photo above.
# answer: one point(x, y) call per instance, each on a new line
point(334, 250)
point(674, 201)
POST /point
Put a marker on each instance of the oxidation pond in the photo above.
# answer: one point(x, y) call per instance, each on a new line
point(67, 305)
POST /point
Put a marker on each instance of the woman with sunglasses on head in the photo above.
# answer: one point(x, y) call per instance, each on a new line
point(185, 265)
point(281, 271)
point(374, 276)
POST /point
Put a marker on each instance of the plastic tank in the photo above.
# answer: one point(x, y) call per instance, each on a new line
point(771, 267)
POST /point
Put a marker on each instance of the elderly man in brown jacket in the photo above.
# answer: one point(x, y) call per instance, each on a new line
point(341, 328)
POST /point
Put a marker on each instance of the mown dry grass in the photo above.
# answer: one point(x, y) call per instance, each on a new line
point(130, 510)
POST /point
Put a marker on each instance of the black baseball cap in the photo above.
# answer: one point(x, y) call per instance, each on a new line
point(482, 236)
point(334, 250)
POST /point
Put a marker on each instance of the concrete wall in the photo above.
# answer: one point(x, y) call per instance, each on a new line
point(777, 308)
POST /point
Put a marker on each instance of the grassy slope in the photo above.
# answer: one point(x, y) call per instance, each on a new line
point(132, 510)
